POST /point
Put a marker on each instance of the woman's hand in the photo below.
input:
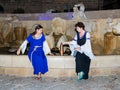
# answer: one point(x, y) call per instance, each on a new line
point(18, 51)
point(51, 54)
point(63, 43)
point(78, 48)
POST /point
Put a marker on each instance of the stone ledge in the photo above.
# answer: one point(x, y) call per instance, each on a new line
point(59, 66)
point(103, 14)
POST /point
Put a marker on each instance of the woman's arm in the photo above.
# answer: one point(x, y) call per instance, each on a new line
point(74, 41)
point(22, 47)
point(46, 48)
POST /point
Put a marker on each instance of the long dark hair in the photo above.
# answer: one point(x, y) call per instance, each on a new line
point(79, 24)
point(38, 26)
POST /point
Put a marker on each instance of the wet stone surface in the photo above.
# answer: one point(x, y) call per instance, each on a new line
point(64, 83)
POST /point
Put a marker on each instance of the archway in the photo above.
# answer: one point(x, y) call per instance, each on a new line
point(1, 9)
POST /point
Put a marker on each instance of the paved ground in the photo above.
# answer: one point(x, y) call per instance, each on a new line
point(47, 83)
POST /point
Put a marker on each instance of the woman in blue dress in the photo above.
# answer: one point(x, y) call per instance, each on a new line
point(37, 51)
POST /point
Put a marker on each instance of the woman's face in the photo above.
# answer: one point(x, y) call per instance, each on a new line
point(39, 31)
point(79, 29)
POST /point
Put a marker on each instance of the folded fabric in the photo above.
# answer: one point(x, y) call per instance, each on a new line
point(74, 53)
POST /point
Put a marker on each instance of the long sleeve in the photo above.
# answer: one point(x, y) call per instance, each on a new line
point(23, 46)
point(86, 48)
point(73, 44)
point(46, 47)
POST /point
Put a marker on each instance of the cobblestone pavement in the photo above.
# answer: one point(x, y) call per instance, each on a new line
point(48, 83)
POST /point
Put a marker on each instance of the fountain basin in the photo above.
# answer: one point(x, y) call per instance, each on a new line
point(59, 66)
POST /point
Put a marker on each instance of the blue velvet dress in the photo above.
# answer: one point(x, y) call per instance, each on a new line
point(36, 54)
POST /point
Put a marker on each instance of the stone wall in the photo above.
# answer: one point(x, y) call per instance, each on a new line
point(103, 14)
point(41, 6)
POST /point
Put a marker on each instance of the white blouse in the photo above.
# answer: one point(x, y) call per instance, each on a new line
point(86, 48)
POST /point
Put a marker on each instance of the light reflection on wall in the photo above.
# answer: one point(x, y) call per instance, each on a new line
point(46, 16)
point(50, 16)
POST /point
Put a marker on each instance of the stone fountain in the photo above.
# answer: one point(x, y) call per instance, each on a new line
point(58, 27)
point(105, 33)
